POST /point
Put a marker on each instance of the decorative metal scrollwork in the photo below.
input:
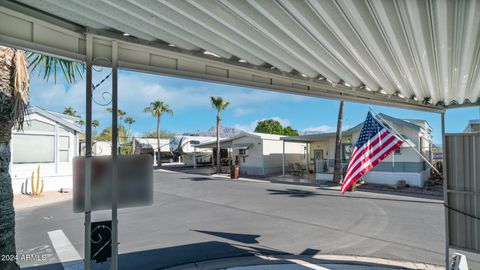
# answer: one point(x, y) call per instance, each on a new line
point(106, 96)
point(101, 240)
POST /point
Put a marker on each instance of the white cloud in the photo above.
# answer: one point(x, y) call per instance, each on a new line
point(320, 129)
point(241, 111)
point(324, 129)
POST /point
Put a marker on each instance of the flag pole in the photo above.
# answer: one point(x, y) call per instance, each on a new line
point(407, 141)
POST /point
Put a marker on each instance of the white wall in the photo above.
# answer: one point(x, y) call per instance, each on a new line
point(57, 174)
point(391, 178)
point(265, 155)
point(253, 163)
point(273, 155)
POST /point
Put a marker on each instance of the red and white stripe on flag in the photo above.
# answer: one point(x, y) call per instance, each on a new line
point(375, 143)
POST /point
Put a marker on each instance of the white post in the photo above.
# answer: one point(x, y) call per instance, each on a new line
point(195, 157)
point(283, 159)
point(307, 165)
point(445, 193)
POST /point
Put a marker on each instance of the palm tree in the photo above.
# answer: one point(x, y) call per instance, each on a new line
point(219, 104)
point(120, 114)
point(14, 97)
point(70, 111)
point(129, 121)
point(81, 122)
point(337, 165)
point(95, 124)
point(157, 108)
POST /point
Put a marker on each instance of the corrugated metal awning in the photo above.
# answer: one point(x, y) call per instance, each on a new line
point(417, 51)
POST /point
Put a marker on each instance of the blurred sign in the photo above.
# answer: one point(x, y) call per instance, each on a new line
point(101, 241)
point(135, 182)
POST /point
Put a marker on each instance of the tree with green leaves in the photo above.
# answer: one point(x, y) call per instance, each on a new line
point(271, 126)
point(95, 124)
point(219, 104)
point(14, 98)
point(157, 109)
point(164, 134)
point(289, 131)
point(106, 134)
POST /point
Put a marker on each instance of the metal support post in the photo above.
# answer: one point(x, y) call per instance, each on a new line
point(283, 159)
point(194, 157)
point(445, 194)
point(114, 154)
point(88, 152)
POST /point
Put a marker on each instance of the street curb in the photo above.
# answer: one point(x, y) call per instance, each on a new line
point(316, 259)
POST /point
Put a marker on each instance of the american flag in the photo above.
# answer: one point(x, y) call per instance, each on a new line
point(375, 143)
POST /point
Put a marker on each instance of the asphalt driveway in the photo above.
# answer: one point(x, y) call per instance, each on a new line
point(197, 218)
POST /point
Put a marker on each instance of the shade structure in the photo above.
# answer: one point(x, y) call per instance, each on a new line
point(416, 53)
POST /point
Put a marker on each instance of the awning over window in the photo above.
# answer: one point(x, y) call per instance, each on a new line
point(242, 146)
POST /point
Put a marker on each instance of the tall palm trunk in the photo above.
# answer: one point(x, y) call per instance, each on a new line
point(219, 166)
point(159, 162)
point(337, 166)
point(7, 213)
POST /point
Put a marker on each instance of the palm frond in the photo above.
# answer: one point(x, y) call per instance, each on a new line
point(47, 66)
point(219, 103)
point(21, 89)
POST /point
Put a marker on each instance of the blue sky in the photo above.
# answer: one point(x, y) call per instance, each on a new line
point(190, 99)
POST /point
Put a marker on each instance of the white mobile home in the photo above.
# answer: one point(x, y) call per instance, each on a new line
point(183, 146)
point(259, 153)
point(49, 139)
point(404, 164)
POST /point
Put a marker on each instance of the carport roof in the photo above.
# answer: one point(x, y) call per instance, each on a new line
point(417, 54)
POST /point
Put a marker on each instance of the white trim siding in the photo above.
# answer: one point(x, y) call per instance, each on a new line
point(56, 174)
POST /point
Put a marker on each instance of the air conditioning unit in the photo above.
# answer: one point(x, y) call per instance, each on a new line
point(458, 262)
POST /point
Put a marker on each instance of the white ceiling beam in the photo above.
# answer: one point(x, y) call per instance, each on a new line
point(416, 19)
point(332, 16)
point(95, 16)
point(389, 21)
point(469, 43)
point(231, 20)
point(252, 16)
point(73, 16)
point(167, 15)
point(140, 23)
point(218, 28)
point(443, 20)
point(284, 21)
point(304, 14)
point(364, 23)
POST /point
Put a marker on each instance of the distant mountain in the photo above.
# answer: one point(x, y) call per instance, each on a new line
point(225, 132)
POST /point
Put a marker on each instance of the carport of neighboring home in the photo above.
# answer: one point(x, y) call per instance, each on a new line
point(260, 154)
point(404, 164)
